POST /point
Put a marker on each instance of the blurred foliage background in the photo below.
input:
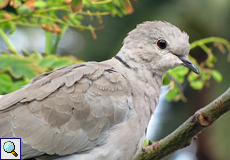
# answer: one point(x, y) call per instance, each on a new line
point(96, 33)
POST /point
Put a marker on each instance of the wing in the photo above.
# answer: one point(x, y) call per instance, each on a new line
point(68, 110)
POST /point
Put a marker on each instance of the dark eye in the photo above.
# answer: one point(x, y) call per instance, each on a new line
point(162, 44)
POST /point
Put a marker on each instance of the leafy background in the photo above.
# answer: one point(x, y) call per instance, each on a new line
point(38, 36)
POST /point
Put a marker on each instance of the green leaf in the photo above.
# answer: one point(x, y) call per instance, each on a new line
point(74, 18)
point(21, 70)
point(36, 56)
point(181, 70)
point(5, 83)
point(53, 61)
point(145, 142)
point(62, 62)
point(216, 75)
point(23, 19)
point(197, 84)
point(25, 53)
point(166, 80)
point(9, 60)
point(47, 61)
point(18, 85)
point(213, 59)
point(40, 4)
point(34, 20)
point(206, 75)
point(179, 73)
point(20, 66)
point(180, 78)
point(12, 27)
point(172, 93)
point(192, 76)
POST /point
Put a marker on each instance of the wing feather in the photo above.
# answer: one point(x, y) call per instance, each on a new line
point(68, 110)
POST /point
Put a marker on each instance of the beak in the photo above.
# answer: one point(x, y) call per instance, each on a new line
point(187, 63)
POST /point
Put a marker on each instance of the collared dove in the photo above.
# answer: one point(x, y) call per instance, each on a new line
point(96, 110)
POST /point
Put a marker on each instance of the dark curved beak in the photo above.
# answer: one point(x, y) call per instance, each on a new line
point(187, 63)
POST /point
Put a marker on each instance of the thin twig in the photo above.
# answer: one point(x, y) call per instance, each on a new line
point(8, 41)
point(210, 40)
point(100, 2)
point(62, 22)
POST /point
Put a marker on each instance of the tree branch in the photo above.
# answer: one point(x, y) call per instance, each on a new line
point(184, 134)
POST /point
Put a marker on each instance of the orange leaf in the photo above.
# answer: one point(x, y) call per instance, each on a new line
point(56, 28)
point(30, 4)
point(66, 17)
point(128, 7)
point(14, 4)
point(6, 15)
point(94, 34)
point(10, 49)
point(100, 20)
point(67, 2)
point(47, 28)
point(3, 3)
point(76, 5)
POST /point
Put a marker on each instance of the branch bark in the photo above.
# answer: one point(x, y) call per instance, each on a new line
point(184, 134)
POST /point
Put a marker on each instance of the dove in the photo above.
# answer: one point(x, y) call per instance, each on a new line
point(96, 110)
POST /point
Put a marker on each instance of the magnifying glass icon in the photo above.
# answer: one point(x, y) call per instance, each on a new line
point(9, 147)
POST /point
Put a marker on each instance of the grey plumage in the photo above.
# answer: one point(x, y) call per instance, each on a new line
point(96, 110)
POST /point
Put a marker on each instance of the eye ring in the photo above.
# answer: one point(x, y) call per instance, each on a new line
point(162, 44)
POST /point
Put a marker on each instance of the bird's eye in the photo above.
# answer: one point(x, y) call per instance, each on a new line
point(162, 44)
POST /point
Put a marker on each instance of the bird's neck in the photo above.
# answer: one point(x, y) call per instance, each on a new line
point(138, 70)
point(142, 67)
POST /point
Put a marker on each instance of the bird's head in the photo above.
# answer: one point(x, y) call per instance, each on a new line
point(160, 45)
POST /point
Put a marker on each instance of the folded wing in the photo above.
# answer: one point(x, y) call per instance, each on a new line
point(68, 110)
